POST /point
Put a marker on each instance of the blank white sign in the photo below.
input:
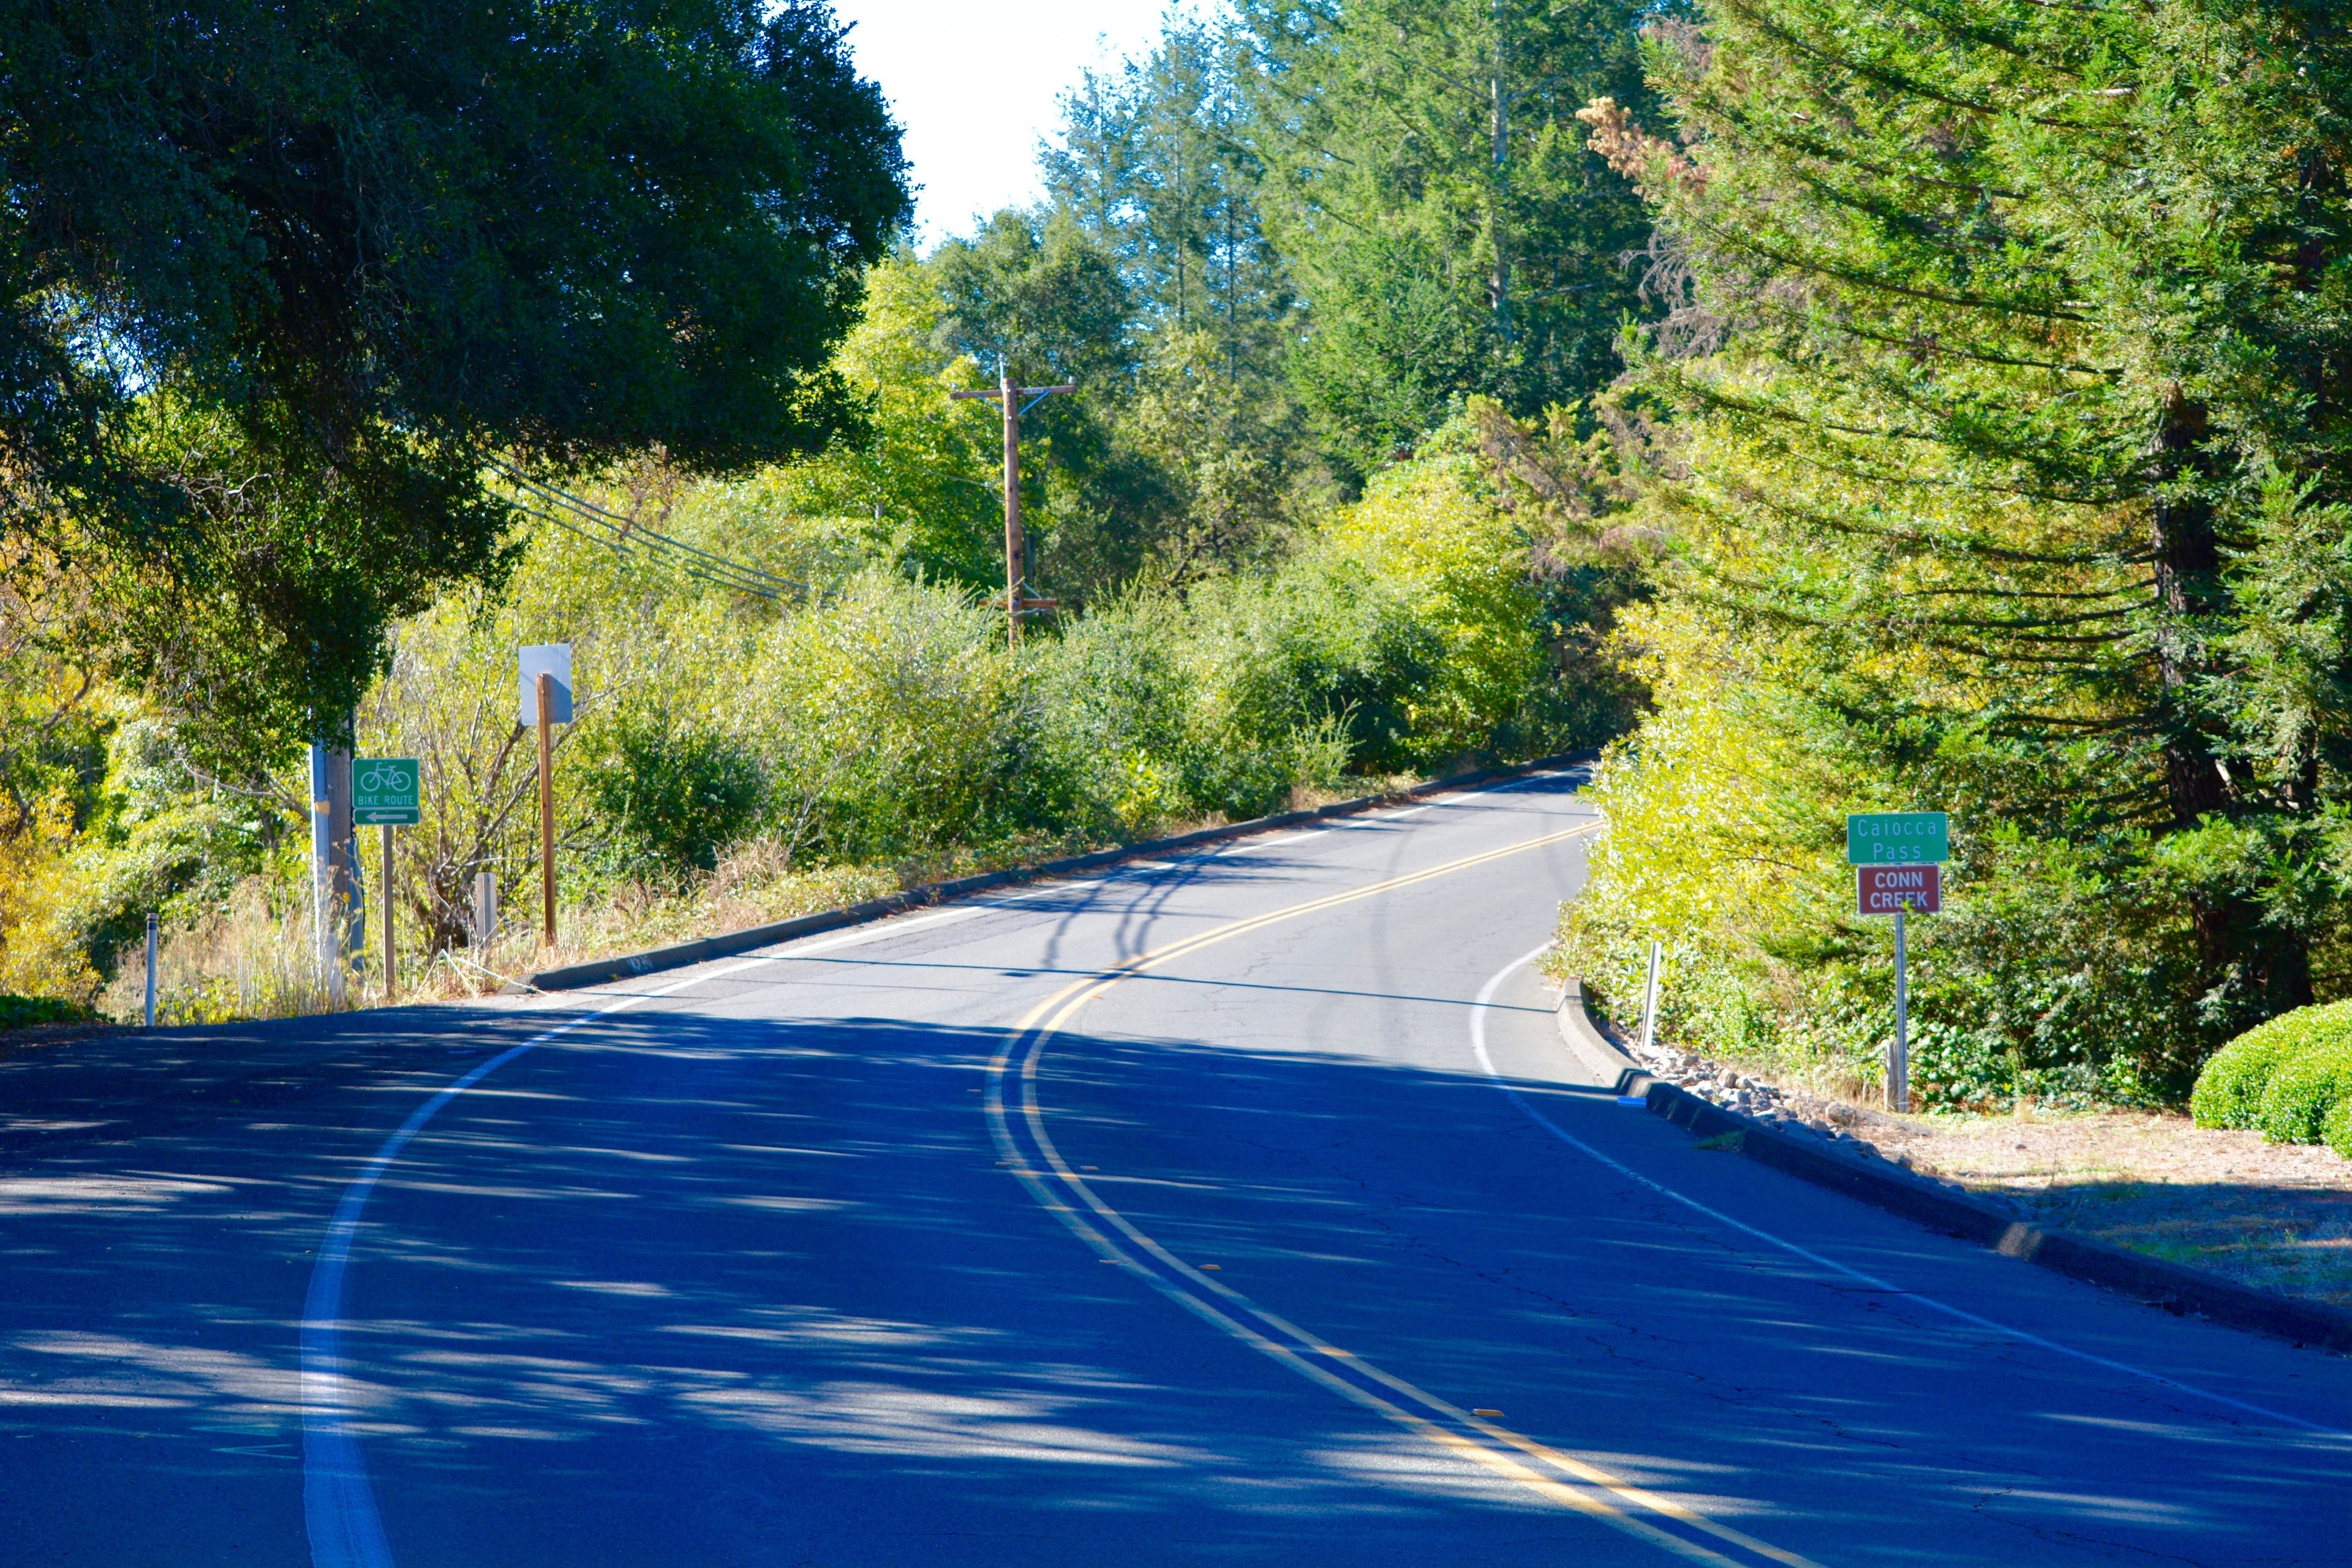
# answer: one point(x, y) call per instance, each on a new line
point(545, 659)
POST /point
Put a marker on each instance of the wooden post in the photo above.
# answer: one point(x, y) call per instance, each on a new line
point(1017, 602)
point(546, 811)
point(1015, 546)
point(390, 969)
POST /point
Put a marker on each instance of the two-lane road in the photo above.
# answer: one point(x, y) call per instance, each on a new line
point(1240, 1207)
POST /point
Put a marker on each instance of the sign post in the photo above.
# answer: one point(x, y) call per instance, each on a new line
point(1897, 857)
point(544, 674)
point(384, 792)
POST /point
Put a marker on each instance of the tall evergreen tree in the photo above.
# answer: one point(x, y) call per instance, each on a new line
point(1447, 225)
point(1156, 164)
point(2015, 356)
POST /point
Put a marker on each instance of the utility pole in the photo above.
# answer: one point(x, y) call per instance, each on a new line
point(1017, 602)
point(334, 865)
point(545, 705)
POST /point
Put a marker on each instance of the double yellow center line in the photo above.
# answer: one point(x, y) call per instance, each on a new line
point(1024, 1143)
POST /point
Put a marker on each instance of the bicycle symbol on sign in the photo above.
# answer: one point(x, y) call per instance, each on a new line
point(388, 779)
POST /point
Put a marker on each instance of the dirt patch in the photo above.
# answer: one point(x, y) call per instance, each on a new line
point(2273, 1216)
point(2276, 1216)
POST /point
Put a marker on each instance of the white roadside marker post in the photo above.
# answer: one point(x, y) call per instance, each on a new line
point(1649, 1004)
point(151, 972)
point(486, 915)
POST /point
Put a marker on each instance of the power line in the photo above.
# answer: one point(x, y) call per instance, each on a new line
point(588, 520)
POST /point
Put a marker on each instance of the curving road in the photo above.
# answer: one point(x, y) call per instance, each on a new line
point(1241, 1207)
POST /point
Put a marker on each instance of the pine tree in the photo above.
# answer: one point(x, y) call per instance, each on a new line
point(1447, 225)
point(2011, 340)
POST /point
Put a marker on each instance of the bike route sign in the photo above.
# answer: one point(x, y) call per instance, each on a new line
point(383, 791)
point(1898, 839)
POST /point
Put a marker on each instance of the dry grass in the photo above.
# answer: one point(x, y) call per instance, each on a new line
point(254, 960)
point(752, 890)
point(2273, 1216)
point(2276, 1216)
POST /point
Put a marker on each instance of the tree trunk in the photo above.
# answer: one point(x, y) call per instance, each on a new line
point(2266, 966)
point(1498, 277)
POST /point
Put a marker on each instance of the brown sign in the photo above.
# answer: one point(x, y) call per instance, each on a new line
point(1883, 889)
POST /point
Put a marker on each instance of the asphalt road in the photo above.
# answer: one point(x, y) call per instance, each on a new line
point(1244, 1207)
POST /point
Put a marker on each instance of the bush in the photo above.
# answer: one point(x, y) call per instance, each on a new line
point(2231, 1089)
point(23, 1012)
point(2337, 1131)
point(674, 796)
point(2302, 1090)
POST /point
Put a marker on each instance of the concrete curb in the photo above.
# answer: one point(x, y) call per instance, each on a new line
point(1954, 1211)
point(598, 972)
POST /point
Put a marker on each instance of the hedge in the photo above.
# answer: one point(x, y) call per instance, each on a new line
point(2337, 1133)
point(2302, 1090)
point(2229, 1090)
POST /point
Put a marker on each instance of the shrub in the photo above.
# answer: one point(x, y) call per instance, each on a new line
point(23, 1012)
point(2337, 1131)
point(673, 796)
point(2302, 1090)
point(2231, 1089)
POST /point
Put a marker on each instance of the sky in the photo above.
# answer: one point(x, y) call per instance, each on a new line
point(976, 83)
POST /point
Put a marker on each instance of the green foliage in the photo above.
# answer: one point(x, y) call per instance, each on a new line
point(885, 719)
point(283, 277)
point(2005, 474)
point(2302, 1090)
point(24, 1011)
point(1159, 164)
point(919, 489)
point(2230, 1088)
point(673, 797)
point(1438, 205)
point(2336, 1132)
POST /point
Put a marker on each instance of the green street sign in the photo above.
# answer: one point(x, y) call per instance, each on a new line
point(383, 790)
point(1898, 838)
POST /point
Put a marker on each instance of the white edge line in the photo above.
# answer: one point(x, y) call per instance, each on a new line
point(1486, 1001)
point(338, 1506)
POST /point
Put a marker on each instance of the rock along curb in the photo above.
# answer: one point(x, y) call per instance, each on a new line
point(2171, 1286)
point(597, 972)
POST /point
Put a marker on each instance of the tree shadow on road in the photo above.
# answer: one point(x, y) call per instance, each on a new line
point(682, 1287)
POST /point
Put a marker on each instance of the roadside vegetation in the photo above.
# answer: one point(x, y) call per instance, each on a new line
point(1998, 433)
point(1270, 587)
point(1828, 405)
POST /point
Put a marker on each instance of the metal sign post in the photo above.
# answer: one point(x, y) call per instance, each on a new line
point(384, 792)
point(1896, 858)
point(545, 675)
point(1898, 1061)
